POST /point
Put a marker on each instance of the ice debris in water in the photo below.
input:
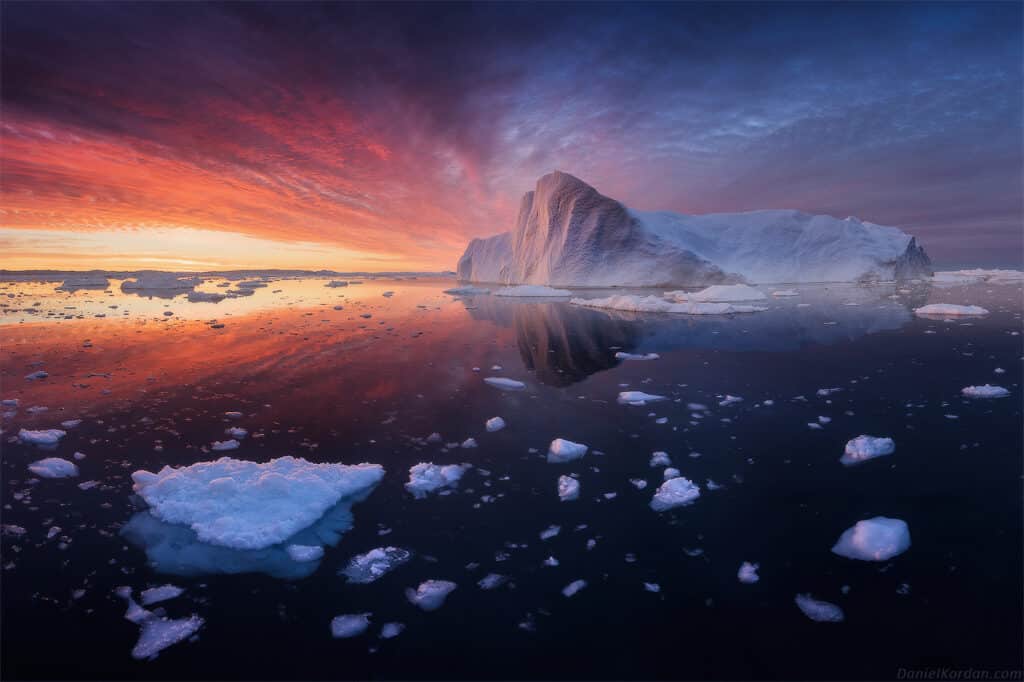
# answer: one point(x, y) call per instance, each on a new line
point(876, 539)
point(633, 356)
point(159, 633)
point(950, 310)
point(495, 424)
point(660, 459)
point(158, 594)
point(492, 581)
point(638, 398)
point(863, 448)
point(574, 587)
point(430, 594)
point(986, 391)
point(349, 625)
point(550, 532)
point(368, 567)
point(748, 573)
point(304, 553)
point(675, 492)
point(820, 611)
point(53, 467)
point(504, 384)
point(568, 488)
point(224, 445)
point(252, 505)
point(236, 432)
point(391, 630)
point(43, 437)
point(426, 477)
point(562, 450)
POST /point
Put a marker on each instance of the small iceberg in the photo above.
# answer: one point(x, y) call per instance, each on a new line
point(986, 391)
point(53, 467)
point(675, 492)
point(748, 573)
point(426, 477)
point(533, 291)
point(44, 437)
point(495, 424)
point(336, 283)
point(573, 587)
point(155, 595)
point(366, 568)
point(949, 310)
point(431, 594)
point(568, 488)
point(820, 611)
point(863, 448)
point(876, 539)
point(638, 398)
point(562, 450)
point(632, 356)
point(159, 633)
point(349, 625)
point(504, 384)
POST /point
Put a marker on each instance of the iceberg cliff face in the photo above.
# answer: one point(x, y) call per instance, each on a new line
point(568, 234)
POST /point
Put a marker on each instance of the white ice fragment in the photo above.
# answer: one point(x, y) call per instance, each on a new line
point(224, 445)
point(660, 459)
point(820, 611)
point(785, 292)
point(550, 532)
point(949, 310)
point(236, 432)
point(573, 587)
point(670, 473)
point(568, 488)
point(366, 568)
point(42, 437)
point(425, 477)
point(653, 304)
point(492, 581)
point(349, 625)
point(53, 467)
point(633, 356)
point(730, 400)
point(159, 633)
point(719, 293)
point(985, 391)
point(430, 594)
point(675, 492)
point(504, 384)
point(155, 595)
point(863, 448)
point(468, 443)
point(495, 424)
point(748, 573)
point(562, 450)
point(876, 539)
point(391, 630)
point(638, 398)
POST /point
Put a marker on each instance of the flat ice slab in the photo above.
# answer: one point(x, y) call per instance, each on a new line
point(876, 539)
point(251, 505)
point(562, 450)
point(675, 492)
point(430, 594)
point(159, 633)
point(155, 595)
point(349, 625)
point(533, 290)
point(633, 356)
point(368, 567)
point(638, 398)
point(820, 611)
point(42, 437)
point(719, 293)
point(426, 477)
point(53, 467)
point(304, 553)
point(986, 391)
point(863, 448)
point(504, 384)
point(950, 310)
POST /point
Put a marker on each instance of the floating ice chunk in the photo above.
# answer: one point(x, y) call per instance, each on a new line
point(820, 611)
point(638, 483)
point(562, 450)
point(251, 505)
point(669, 473)
point(660, 459)
point(159, 633)
point(466, 291)
point(53, 467)
point(748, 573)
point(874, 539)
point(88, 485)
point(349, 625)
point(158, 594)
point(633, 356)
point(492, 581)
point(986, 391)
point(224, 445)
point(236, 432)
point(533, 290)
point(653, 304)
point(719, 293)
point(468, 443)
point(388, 294)
point(391, 630)
point(550, 532)
point(785, 292)
point(43, 437)
point(71, 423)
point(824, 392)
point(730, 400)
point(304, 553)
point(205, 297)
point(638, 398)
point(368, 567)
point(504, 384)
point(425, 477)
point(38, 374)
point(233, 415)
point(430, 594)
point(568, 488)
point(336, 283)
point(863, 448)
point(551, 561)
point(652, 587)
point(949, 310)
point(675, 492)
point(10, 402)
point(495, 424)
point(573, 587)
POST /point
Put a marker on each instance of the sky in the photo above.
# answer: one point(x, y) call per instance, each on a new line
point(385, 136)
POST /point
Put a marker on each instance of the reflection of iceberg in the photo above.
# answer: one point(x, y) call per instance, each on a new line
point(565, 343)
point(175, 549)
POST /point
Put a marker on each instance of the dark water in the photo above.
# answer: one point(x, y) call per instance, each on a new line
point(332, 386)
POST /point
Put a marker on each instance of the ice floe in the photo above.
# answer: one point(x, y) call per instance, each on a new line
point(53, 467)
point(426, 477)
point(633, 356)
point(874, 539)
point(573, 587)
point(366, 568)
point(431, 594)
point(304, 553)
point(949, 310)
point(719, 293)
point(820, 611)
point(159, 633)
point(467, 291)
point(653, 304)
point(495, 424)
point(863, 448)
point(224, 445)
point(155, 595)
point(42, 437)
point(391, 630)
point(675, 492)
point(562, 450)
point(748, 573)
point(985, 391)
point(251, 505)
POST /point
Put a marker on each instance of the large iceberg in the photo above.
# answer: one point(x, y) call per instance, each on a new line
point(568, 234)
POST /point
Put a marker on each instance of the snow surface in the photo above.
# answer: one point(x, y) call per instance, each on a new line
point(562, 450)
point(43, 437)
point(820, 611)
point(533, 291)
point(53, 467)
point(430, 594)
point(250, 505)
point(985, 391)
point(950, 310)
point(675, 492)
point(876, 539)
point(426, 477)
point(366, 568)
point(863, 448)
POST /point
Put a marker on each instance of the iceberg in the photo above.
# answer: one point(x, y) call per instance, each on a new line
point(820, 611)
point(949, 310)
point(495, 424)
point(425, 478)
point(568, 234)
point(155, 595)
point(45, 437)
point(159, 633)
point(675, 492)
point(53, 467)
point(349, 625)
point(876, 539)
point(985, 391)
point(863, 448)
point(573, 587)
point(748, 573)
point(249, 505)
point(568, 488)
point(504, 384)
point(638, 398)
point(430, 594)
point(562, 450)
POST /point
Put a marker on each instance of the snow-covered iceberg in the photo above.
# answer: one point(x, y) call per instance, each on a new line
point(568, 234)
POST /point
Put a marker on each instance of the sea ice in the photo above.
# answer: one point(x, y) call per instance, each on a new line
point(632, 356)
point(349, 625)
point(863, 448)
point(466, 291)
point(391, 630)
point(568, 488)
point(653, 304)
point(223, 445)
point(430, 594)
point(492, 581)
point(155, 595)
point(368, 567)
point(660, 459)
point(874, 539)
point(719, 293)
point(986, 391)
point(251, 505)
point(675, 492)
point(820, 611)
point(562, 450)
point(427, 477)
point(53, 467)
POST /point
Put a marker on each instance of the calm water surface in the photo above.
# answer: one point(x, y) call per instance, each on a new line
point(333, 385)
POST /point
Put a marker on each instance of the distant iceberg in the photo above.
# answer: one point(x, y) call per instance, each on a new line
point(568, 234)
